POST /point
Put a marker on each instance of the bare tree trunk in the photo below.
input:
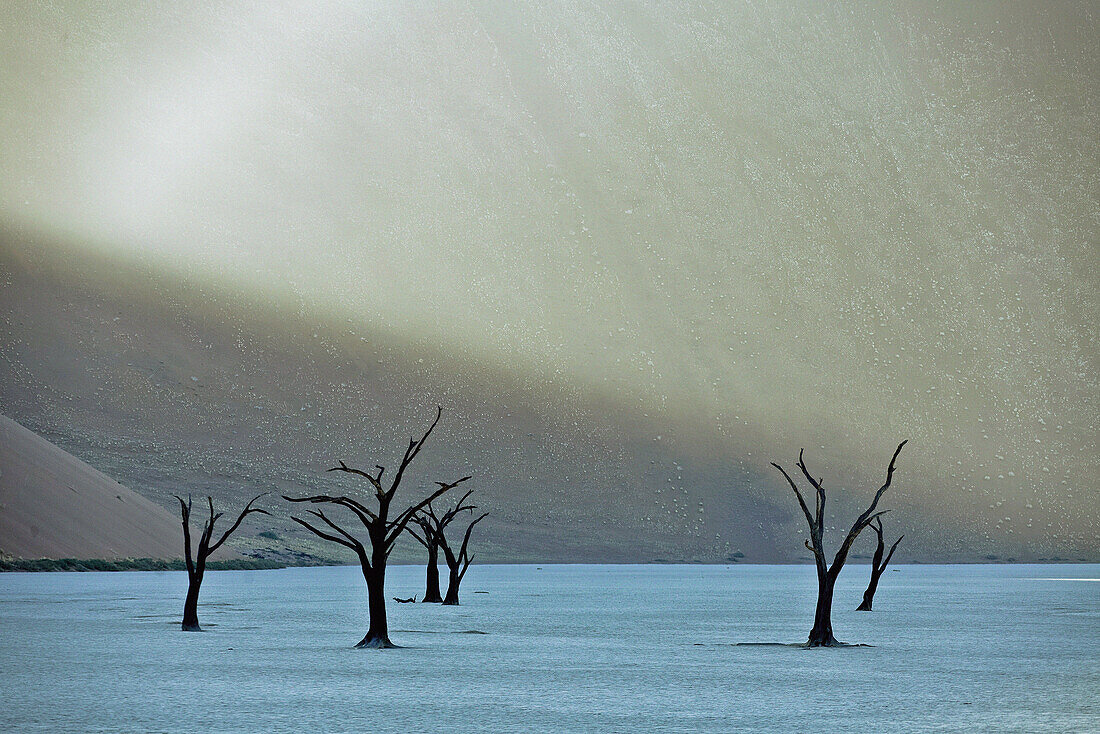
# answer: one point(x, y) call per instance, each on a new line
point(878, 565)
point(453, 581)
point(191, 604)
point(869, 594)
point(378, 634)
point(457, 564)
point(431, 590)
point(822, 633)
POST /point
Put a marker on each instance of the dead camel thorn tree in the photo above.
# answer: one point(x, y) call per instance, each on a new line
point(878, 565)
point(822, 633)
point(197, 567)
point(458, 564)
point(382, 532)
point(434, 526)
point(431, 528)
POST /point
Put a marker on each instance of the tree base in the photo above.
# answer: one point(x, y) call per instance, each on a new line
point(831, 643)
point(823, 641)
point(864, 607)
point(822, 636)
point(191, 627)
point(371, 642)
point(799, 645)
point(432, 600)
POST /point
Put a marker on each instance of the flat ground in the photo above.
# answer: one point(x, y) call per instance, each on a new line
point(565, 648)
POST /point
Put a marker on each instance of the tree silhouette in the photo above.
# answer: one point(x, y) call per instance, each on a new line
point(197, 567)
point(821, 635)
point(434, 528)
point(431, 528)
point(878, 565)
point(382, 532)
point(457, 565)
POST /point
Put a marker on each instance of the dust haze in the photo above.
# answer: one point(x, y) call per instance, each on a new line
point(735, 228)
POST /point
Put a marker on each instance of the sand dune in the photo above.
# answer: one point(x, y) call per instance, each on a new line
point(176, 387)
point(53, 505)
point(636, 251)
point(174, 390)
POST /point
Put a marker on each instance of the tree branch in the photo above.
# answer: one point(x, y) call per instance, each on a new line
point(417, 536)
point(801, 499)
point(459, 506)
point(891, 553)
point(248, 510)
point(463, 558)
point(877, 515)
point(397, 525)
point(355, 544)
point(819, 509)
point(869, 514)
point(374, 480)
point(466, 538)
point(204, 539)
point(185, 511)
point(322, 534)
point(877, 527)
point(365, 514)
point(411, 452)
point(886, 485)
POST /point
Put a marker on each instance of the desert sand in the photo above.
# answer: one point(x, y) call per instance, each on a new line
point(53, 505)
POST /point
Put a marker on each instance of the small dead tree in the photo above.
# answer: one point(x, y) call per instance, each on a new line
point(431, 528)
point(382, 531)
point(196, 566)
point(821, 635)
point(878, 565)
point(457, 565)
point(431, 583)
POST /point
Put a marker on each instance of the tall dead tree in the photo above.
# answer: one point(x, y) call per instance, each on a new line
point(457, 565)
point(878, 565)
point(196, 566)
point(382, 531)
point(431, 527)
point(822, 633)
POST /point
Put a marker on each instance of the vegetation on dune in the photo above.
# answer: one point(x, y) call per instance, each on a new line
point(132, 564)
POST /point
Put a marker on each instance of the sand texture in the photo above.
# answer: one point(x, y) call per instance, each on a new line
point(53, 505)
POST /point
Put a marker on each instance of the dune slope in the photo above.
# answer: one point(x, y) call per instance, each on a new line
point(53, 505)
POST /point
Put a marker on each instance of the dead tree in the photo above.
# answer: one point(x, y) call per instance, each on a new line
point(431, 528)
point(878, 565)
point(822, 633)
point(431, 584)
point(382, 531)
point(196, 566)
point(457, 564)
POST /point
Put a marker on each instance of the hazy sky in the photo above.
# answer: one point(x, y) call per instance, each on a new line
point(832, 226)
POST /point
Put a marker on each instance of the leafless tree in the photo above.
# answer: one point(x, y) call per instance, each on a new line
point(196, 566)
point(432, 527)
point(457, 565)
point(822, 633)
point(382, 531)
point(878, 565)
